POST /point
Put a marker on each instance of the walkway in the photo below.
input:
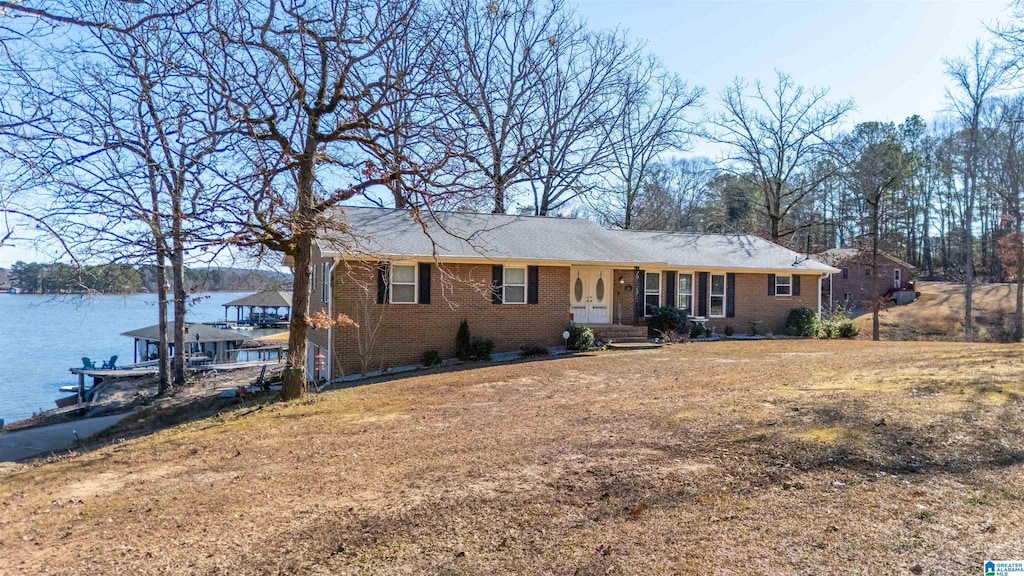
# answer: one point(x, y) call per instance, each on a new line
point(22, 444)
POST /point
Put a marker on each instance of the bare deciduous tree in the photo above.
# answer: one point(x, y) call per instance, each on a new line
point(305, 86)
point(776, 135)
point(652, 122)
point(975, 79)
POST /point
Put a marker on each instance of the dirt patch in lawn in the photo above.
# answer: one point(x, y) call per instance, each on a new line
point(783, 457)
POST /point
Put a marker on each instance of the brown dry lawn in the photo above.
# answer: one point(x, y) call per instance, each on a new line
point(939, 314)
point(783, 457)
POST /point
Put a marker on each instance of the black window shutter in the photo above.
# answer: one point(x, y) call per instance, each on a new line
point(638, 295)
point(796, 285)
point(382, 282)
point(730, 295)
point(497, 279)
point(532, 284)
point(702, 294)
point(670, 289)
point(424, 282)
point(771, 284)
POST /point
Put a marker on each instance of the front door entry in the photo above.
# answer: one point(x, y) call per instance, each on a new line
point(590, 296)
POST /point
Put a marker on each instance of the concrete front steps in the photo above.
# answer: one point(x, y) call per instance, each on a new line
point(622, 336)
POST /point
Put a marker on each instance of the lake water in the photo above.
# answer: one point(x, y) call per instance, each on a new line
point(42, 336)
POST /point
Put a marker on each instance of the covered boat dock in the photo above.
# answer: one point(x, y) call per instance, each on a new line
point(202, 342)
point(264, 309)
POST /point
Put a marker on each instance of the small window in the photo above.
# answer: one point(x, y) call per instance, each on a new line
point(846, 296)
point(717, 296)
point(846, 273)
point(652, 292)
point(514, 286)
point(867, 272)
point(783, 285)
point(403, 284)
point(684, 297)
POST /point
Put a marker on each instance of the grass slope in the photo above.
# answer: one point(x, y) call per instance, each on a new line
point(939, 314)
point(729, 458)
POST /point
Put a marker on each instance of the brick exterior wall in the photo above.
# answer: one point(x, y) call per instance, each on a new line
point(391, 335)
point(621, 296)
point(858, 286)
point(754, 303)
point(401, 333)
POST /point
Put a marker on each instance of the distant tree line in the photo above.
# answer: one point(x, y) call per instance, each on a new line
point(59, 278)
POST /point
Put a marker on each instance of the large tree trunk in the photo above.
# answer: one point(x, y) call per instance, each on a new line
point(163, 360)
point(875, 296)
point(178, 271)
point(293, 383)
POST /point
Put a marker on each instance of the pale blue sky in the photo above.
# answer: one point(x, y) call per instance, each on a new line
point(887, 55)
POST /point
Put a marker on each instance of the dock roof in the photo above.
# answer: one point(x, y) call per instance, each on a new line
point(265, 299)
point(206, 333)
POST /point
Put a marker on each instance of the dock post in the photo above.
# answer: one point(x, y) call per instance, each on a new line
point(81, 387)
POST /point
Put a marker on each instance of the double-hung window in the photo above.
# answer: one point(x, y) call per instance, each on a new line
point(684, 296)
point(783, 285)
point(652, 292)
point(514, 287)
point(717, 308)
point(403, 283)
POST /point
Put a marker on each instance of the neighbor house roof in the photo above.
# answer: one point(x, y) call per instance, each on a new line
point(206, 333)
point(265, 299)
point(452, 236)
point(838, 256)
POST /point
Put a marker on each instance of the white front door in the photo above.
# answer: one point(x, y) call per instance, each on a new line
point(590, 296)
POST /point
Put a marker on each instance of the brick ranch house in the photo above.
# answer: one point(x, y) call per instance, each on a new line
point(851, 285)
point(519, 281)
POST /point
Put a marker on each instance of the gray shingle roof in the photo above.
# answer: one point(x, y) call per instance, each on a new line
point(394, 234)
point(838, 256)
point(717, 251)
point(206, 333)
point(267, 298)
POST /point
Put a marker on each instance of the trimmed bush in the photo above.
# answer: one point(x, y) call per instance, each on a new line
point(802, 322)
point(431, 358)
point(580, 337)
point(482, 348)
point(463, 350)
point(729, 330)
point(847, 329)
point(696, 331)
point(836, 323)
point(664, 320)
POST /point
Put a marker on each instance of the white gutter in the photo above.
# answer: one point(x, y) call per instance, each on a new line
point(330, 313)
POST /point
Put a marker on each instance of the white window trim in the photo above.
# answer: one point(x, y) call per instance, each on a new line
point(724, 295)
point(788, 286)
point(648, 293)
point(505, 283)
point(415, 282)
point(693, 286)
